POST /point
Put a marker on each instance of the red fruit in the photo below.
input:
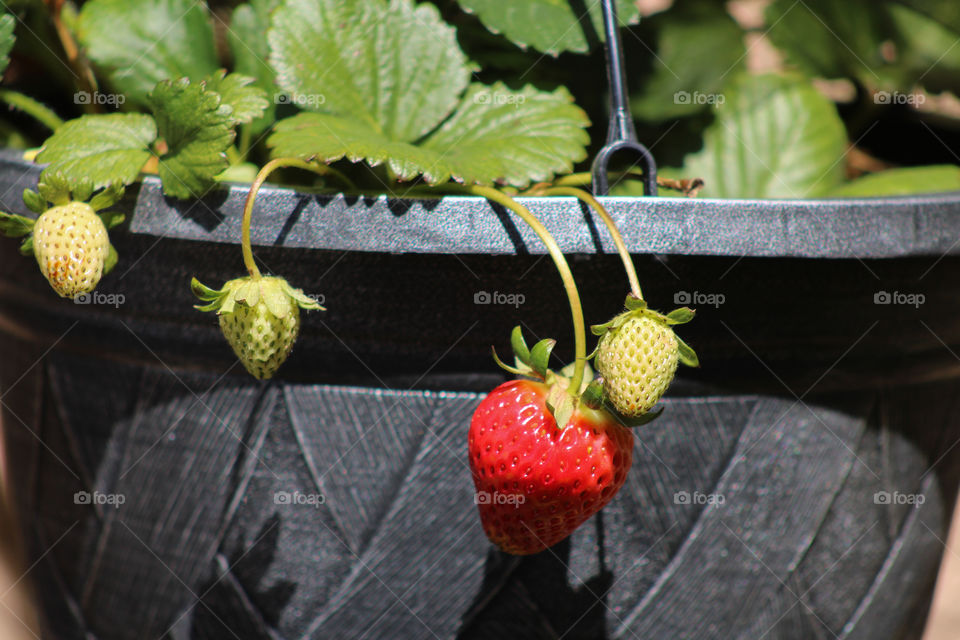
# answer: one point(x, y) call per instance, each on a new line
point(536, 483)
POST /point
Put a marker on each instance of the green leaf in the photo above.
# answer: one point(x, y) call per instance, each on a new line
point(926, 49)
point(682, 315)
point(832, 39)
point(687, 355)
point(26, 247)
point(34, 201)
point(15, 226)
point(698, 48)
point(513, 137)
point(251, 52)
point(112, 218)
point(395, 67)
point(639, 421)
point(550, 26)
point(774, 137)
point(540, 355)
point(54, 186)
point(107, 198)
point(480, 143)
point(520, 349)
point(633, 303)
point(247, 102)
point(111, 260)
point(107, 149)
point(895, 182)
point(197, 130)
point(7, 23)
point(141, 43)
point(593, 394)
point(329, 138)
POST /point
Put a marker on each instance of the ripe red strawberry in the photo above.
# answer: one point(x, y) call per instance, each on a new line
point(536, 483)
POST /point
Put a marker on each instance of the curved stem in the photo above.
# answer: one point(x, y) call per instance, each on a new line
point(611, 227)
point(262, 175)
point(39, 112)
point(576, 310)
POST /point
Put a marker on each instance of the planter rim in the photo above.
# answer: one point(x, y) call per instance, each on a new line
point(859, 228)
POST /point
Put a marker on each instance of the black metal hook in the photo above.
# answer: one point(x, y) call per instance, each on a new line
point(620, 133)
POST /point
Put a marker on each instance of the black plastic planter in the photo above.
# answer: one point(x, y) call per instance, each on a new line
point(798, 485)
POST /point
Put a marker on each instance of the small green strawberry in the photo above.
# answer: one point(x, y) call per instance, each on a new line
point(259, 316)
point(637, 356)
point(69, 239)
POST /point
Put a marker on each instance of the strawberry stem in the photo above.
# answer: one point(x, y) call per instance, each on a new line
point(262, 175)
point(576, 310)
point(611, 226)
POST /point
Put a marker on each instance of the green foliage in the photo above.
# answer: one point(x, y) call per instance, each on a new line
point(550, 26)
point(196, 126)
point(7, 23)
point(773, 137)
point(141, 43)
point(368, 107)
point(108, 149)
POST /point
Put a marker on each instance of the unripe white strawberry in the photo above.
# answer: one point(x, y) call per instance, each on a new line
point(71, 245)
point(259, 317)
point(637, 357)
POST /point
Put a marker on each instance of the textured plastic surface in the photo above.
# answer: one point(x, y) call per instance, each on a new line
point(842, 228)
point(811, 400)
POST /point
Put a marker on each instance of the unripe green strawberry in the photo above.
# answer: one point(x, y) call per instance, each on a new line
point(637, 357)
point(71, 245)
point(260, 318)
point(637, 361)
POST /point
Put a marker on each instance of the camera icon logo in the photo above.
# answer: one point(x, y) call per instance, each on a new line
point(881, 497)
point(882, 97)
point(882, 297)
point(82, 97)
point(83, 298)
point(481, 497)
point(681, 497)
point(81, 497)
point(681, 97)
point(282, 98)
point(482, 297)
point(682, 297)
point(282, 497)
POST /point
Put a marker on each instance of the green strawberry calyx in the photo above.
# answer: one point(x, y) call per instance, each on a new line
point(251, 291)
point(533, 362)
